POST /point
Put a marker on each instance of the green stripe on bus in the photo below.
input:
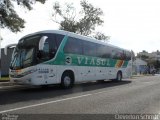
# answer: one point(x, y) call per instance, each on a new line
point(81, 60)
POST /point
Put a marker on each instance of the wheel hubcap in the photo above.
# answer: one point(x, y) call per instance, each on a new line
point(119, 76)
point(67, 81)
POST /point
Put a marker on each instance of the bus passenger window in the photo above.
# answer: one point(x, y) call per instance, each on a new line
point(73, 46)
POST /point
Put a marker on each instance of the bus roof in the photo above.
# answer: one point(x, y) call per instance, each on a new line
point(71, 34)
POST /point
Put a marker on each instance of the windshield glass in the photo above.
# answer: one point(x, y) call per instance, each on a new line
point(22, 58)
point(15, 62)
point(27, 51)
point(27, 56)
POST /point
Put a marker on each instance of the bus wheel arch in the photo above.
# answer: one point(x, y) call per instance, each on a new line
point(67, 79)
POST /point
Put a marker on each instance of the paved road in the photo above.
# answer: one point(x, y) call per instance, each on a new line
point(132, 96)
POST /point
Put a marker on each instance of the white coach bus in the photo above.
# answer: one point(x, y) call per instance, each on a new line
point(61, 57)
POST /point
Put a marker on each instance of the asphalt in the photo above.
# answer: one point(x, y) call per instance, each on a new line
point(5, 83)
point(139, 95)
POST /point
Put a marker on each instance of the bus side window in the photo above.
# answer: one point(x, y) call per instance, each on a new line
point(58, 40)
point(117, 54)
point(73, 46)
point(99, 50)
point(107, 53)
point(50, 47)
point(113, 54)
point(102, 51)
point(124, 55)
point(46, 47)
point(128, 55)
point(54, 42)
point(89, 48)
point(120, 55)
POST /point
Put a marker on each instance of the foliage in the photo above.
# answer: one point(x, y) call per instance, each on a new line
point(83, 23)
point(143, 57)
point(144, 51)
point(156, 64)
point(4, 78)
point(9, 17)
point(101, 36)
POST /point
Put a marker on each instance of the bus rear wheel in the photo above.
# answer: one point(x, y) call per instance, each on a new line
point(101, 81)
point(67, 80)
point(119, 76)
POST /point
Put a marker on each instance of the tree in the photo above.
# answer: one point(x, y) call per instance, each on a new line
point(144, 57)
point(144, 51)
point(157, 64)
point(8, 16)
point(101, 36)
point(83, 23)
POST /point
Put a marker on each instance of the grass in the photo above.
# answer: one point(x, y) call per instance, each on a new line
point(4, 78)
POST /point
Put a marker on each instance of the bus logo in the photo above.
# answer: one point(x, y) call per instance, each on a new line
point(68, 60)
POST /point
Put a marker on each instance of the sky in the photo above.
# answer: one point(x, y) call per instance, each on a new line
point(131, 24)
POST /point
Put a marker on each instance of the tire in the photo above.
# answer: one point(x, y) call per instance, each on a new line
point(100, 81)
point(44, 86)
point(67, 80)
point(119, 77)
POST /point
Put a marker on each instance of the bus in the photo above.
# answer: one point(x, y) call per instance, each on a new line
point(65, 58)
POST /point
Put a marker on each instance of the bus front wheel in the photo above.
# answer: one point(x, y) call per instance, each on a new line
point(67, 80)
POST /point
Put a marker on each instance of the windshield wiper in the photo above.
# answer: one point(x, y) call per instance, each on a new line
point(23, 64)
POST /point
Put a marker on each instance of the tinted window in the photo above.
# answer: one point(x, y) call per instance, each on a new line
point(29, 42)
point(81, 47)
point(54, 41)
point(113, 54)
point(59, 39)
point(100, 50)
point(120, 54)
point(73, 46)
point(108, 51)
point(50, 46)
point(89, 48)
point(103, 51)
point(128, 55)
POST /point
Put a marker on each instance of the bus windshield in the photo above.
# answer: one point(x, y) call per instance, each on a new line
point(27, 53)
point(22, 58)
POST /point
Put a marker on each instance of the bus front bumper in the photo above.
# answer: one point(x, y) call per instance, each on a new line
point(26, 80)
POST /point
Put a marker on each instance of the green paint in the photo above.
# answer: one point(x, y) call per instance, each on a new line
point(80, 60)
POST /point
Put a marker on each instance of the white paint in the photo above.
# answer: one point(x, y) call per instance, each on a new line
point(99, 92)
point(82, 73)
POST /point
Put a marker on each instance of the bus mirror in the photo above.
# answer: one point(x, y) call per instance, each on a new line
point(10, 45)
point(41, 42)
